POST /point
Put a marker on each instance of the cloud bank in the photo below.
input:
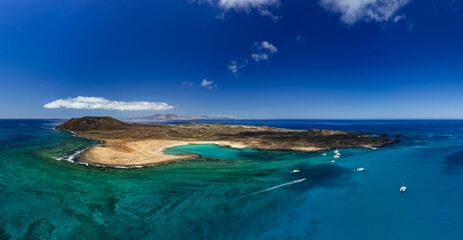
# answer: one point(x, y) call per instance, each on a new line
point(353, 11)
point(102, 103)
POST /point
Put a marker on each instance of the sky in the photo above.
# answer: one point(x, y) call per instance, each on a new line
point(306, 59)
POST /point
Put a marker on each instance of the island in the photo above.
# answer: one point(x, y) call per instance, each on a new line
point(136, 144)
point(173, 117)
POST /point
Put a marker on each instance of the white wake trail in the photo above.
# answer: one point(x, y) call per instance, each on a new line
point(271, 188)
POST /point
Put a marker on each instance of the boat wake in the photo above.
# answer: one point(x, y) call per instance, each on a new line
point(271, 188)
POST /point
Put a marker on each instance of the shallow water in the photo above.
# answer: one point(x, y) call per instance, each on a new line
point(237, 193)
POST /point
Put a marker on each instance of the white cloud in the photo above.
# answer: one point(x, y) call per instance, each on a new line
point(265, 46)
point(403, 18)
point(208, 84)
point(187, 83)
point(102, 103)
point(398, 18)
point(263, 51)
point(266, 12)
point(259, 57)
point(246, 5)
point(300, 39)
point(234, 66)
point(411, 26)
point(353, 11)
point(261, 7)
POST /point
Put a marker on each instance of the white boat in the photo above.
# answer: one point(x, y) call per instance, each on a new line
point(333, 161)
point(336, 151)
point(403, 188)
point(361, 168)
point(336, 156)
point(324, 154)
point(295, 171)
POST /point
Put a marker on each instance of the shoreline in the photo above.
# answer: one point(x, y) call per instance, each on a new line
point(100, 155)
point(135, 145)
point(133, 153)
point(109, 156)
point(134, 157)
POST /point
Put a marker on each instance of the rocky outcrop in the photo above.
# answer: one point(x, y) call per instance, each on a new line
point(93, 123)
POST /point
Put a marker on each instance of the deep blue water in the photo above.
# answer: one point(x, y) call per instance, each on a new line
point(237, 194)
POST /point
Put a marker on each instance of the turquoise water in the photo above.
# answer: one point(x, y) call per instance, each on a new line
point(237, 194)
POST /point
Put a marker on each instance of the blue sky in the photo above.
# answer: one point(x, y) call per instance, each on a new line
point(245, 58)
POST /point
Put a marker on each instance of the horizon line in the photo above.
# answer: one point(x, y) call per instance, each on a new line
point(34, 118)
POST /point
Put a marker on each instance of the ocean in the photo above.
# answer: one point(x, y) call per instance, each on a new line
point(237, 193)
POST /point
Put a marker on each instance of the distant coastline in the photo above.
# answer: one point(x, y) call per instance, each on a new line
point(173, 117)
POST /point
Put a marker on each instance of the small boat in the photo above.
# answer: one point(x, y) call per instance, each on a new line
point(332, 161)
point(324, 154)
point(361, 168)
point(403, 188)
point(336, 156)
point(336, 151)
point(295, 171)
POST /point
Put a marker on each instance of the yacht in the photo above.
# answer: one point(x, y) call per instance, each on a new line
point(403, 188)
point(361, 168)
point(295, 171)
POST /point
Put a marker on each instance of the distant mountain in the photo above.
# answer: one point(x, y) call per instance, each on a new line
point(170, 117)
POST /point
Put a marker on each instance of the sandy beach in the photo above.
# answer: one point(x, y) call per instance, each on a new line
point(128, 153)
point(141, 152)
